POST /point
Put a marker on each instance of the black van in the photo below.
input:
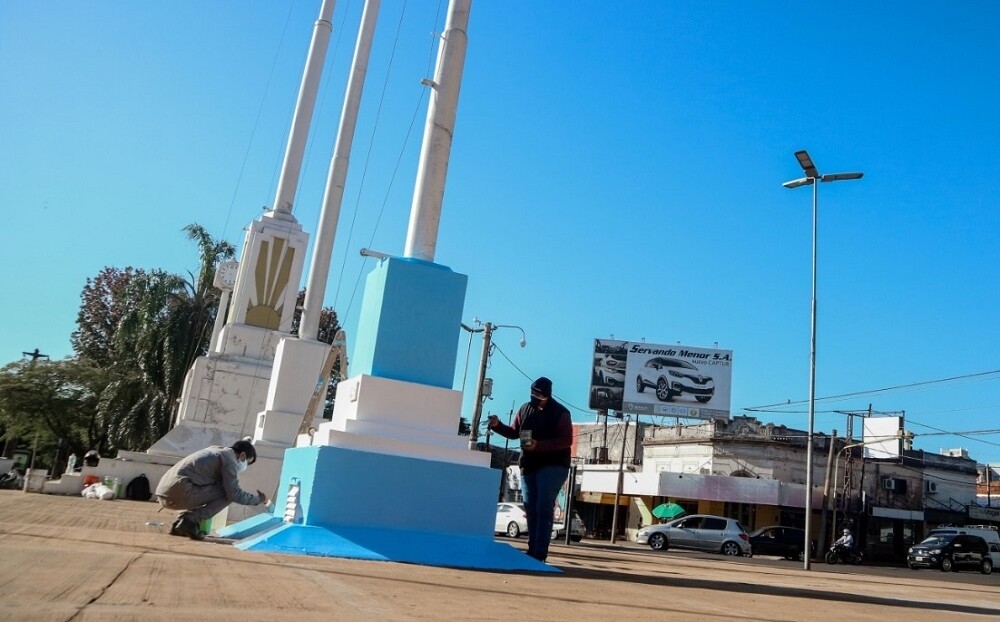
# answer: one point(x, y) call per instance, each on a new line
point(951, 552)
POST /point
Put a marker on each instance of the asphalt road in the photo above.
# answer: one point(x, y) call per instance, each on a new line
point(964, 577)
point(67, 558)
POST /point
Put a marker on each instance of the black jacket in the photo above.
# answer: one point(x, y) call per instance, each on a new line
point(551, 428)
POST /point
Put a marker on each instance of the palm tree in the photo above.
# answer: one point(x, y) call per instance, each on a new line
point(157, 342)
point(196, 309)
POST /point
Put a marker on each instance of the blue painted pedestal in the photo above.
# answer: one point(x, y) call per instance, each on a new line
point(364, 505)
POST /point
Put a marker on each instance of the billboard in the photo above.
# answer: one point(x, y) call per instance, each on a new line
point(882, 438)
point(651, 379)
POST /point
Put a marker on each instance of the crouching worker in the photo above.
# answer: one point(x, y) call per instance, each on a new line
point(204, 483)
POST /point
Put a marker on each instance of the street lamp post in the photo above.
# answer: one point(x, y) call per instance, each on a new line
point(487, 331)
point(813, 178)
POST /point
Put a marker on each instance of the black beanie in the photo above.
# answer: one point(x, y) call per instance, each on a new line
point(542, 386)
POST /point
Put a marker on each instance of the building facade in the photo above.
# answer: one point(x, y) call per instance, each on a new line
point(755, 472)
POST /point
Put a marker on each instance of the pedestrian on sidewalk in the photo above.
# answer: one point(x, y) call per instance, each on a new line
point(204, 483)
point(545, 429)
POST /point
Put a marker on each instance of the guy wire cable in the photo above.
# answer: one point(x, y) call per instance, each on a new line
point(371, 144)
point(399, 160)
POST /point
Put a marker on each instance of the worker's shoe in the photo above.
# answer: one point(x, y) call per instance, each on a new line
point(184, 527)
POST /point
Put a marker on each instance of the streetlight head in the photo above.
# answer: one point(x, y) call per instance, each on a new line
point(806, 163)
point(802, 181)
point(523, 342)
point(841, 176)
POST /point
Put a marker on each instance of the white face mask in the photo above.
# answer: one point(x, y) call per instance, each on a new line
point(241, 465)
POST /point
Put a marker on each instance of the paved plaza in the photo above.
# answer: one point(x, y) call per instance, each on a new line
point(67, 558)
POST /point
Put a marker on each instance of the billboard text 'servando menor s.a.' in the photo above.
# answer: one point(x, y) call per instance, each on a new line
point(652, 379)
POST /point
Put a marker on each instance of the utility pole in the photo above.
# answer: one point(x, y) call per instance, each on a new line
point(618, 488)
point(826, 498)
point(11, 444)
point(848, 482)
point(989, 498)
point(861, 492)
point(34, 355)
point(506, 460)
point(483, 360)
point(570, 493)
point(481, 385)
point(603, 454)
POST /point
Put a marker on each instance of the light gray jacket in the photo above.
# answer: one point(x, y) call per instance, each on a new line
point(212, 466)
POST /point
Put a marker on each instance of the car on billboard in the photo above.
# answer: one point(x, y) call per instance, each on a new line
point(672, 377)
point(610, 347)
point(609, 371)
point(606, 398)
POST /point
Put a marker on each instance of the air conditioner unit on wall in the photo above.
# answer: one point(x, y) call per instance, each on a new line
point(896, 485)
point(930, 487)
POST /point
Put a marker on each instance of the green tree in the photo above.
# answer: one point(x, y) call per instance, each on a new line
point(104, 302)
point(57, 400)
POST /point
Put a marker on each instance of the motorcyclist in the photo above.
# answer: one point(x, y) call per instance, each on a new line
point(846, 540)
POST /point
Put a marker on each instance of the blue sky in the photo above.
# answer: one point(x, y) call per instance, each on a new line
point(616, 170)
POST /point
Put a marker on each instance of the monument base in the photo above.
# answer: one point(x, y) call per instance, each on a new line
point(339, 502)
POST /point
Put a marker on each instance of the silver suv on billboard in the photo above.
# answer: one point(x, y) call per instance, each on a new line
point(672, 377)
point(610, 371)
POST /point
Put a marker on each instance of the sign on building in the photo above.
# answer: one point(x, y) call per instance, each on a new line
point(987, 514)
point(882, 438)
point(650, 379)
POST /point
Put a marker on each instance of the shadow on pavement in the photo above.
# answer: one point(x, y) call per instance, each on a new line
point(769, 590)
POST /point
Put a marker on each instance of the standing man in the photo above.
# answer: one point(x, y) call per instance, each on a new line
point(546, 432)
point(204, 483)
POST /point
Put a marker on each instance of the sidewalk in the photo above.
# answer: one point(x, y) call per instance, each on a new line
point(71, 558)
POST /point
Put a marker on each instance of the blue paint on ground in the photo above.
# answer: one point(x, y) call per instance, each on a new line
point(249, 527)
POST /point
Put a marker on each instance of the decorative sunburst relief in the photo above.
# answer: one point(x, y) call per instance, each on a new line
point(272, 272)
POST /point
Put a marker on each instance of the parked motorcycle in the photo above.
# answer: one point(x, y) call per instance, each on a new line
point(11, 480)
point(840, 554)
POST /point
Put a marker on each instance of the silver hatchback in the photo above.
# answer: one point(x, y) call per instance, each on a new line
point(701, 532)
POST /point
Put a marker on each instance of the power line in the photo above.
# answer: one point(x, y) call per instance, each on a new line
point(961, 434)
point(922, 471)
point(877, 391)
point(947, 433)
point(523, 373)
point(368, 156)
